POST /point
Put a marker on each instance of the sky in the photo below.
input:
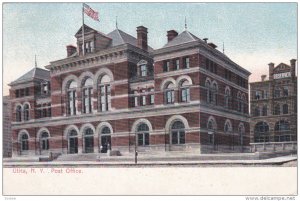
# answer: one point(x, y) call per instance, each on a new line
point(254, 34)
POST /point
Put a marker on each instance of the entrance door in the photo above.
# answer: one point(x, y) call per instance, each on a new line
point(73, 143)
point(89, 144)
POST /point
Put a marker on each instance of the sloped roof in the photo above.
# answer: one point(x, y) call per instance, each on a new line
point(184, 37)
point(88, 29)
point(35, 73)
point(119, 37)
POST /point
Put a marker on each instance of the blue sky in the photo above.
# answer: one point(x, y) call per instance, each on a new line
point(254, 34)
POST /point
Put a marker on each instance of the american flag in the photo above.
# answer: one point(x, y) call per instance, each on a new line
point(90, 12)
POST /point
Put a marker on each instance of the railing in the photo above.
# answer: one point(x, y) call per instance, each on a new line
point(274, 146)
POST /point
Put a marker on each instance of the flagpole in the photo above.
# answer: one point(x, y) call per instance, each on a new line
point(83, 45)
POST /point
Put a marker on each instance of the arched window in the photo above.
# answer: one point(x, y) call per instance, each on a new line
point(71, 91)
point(227, 97)
point(256, 111)
point(285, 109)
point(282, 125)
point(211, 127)
point(88, 140)
point(73, 141)
point(227, 127)
point(209, 92)
point(265, 110)
point(142, 134)
point(178, 133)
point(19, 113)
point(26, 112)
point(185, 91)
point(261, 128)
point(277, 109)
point(169, 93)
point(104, 93)
point(44, 141)
point(105, 134)
point(87, 92)
point(215, 93)
point(261, 132)
point(24, 142)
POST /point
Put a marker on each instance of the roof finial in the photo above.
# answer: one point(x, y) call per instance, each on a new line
point(116, 22)
point(223, 48)
point(35, 63)
point(185, 25)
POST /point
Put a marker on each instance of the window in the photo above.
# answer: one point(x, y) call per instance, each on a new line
point(261, 132)
point(265, 110)
point(17, 93)
point(89, 46)
point(22, 92)
point(104, 93)
point(87, 95)
point(178, 133)
point(26, 112)
point(166, 66)
point(88, 140)
point(285, 91)
point(277, 109)
point(282, 126)
point(27, 91)
point(71, 106)
point(143, 70)
point(169, 94)
point(185, 91)
point(24, 142)
point(44, 141)
point(209, 92)
point(227, 97)
point(285, 109)
point(277, 93)
point(227, 127)
point(73, 142)
point(19, 113)
point(227, 74)
point(257, 95)
point(143, 135)
point(186, 62)
point(143, 98)
point(176, 64)
point(243, 104)
point(211, 127)
point(256, 112)
point(215, 93)
point(136, 100)
point(105, 139)
point(151, 96)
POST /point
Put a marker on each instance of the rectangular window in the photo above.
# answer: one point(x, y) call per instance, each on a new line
point(143, 98)
point(140, 139)
point(136, 101)
point(166, 66)
point(146, 138)
point(186, 62)
point(143, 70)
point(17, 93)
point(174, 137)
point(181, 137)
point(152, 96)
point(27, 91)
point(22, 92)
point(185, 94)
point(176, 64)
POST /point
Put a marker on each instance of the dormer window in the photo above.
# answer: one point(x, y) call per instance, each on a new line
point(89, 46)
point(142, 68)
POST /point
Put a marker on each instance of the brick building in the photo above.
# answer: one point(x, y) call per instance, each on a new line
point(7, 149)
point(274, 109)
point(123, 95)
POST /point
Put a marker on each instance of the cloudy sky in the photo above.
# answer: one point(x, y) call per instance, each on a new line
point(254, 34)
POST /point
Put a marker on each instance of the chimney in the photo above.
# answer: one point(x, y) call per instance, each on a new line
point(71, 50)
point(271, 68)
point(171, 35)
point(293, 67)
point(142, 40)
point(212, 45)
point(263, 78)
point(205, 40)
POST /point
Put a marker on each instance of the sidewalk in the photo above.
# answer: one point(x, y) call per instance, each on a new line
point(120, 163)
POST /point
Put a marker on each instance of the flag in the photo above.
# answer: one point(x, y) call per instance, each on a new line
point(90, 12)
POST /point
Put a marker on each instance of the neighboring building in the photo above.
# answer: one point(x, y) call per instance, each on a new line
point(274, 109)
point(7, 149)
point(122, 94)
